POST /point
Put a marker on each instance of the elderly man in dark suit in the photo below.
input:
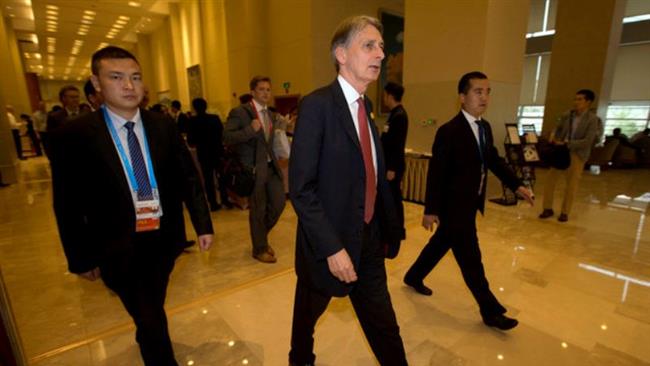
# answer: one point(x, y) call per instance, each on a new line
point(394, 141)
point(345, 210)
point(462, 153)
point(250, 129)
point(69, 97)
point(120, 177)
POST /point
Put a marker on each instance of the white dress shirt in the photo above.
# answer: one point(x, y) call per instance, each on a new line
point(351, 97)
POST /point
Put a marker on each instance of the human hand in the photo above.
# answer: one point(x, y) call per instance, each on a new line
point(205, 242)
point(390, 175)
point(341, 266)
point(526, 194)
point(256, 124)
point(91, 275)
point(429, 220)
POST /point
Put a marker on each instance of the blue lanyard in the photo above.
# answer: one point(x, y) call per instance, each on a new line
point(125, 159)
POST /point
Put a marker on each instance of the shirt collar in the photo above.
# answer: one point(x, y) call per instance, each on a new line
point(469, 117)
point(119, 121)
point(350, 93)
point(258, 106)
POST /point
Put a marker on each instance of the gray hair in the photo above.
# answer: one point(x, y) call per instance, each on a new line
point(348, 29)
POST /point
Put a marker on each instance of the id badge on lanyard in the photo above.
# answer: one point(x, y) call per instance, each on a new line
point(147, 212)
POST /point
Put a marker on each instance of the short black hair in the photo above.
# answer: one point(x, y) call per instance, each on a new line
point(89, 89)
point(258, 79)
point(588, 94)
point(245, 98)
point(66, 89)
point(176, 104)
point(395, 90)
point(199, 105)
point(110, 52)
point(464, 82)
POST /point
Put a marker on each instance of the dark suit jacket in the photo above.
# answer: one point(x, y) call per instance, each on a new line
point(57, 119)
point(455, 172)
point(394, 140)
point(92, 199)
point(327, 188)
point(251, 146)
point(205, 131)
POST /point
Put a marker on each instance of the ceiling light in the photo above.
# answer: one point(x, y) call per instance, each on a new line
point(51, 12)
point(51, 17)
point(85, 21)
point(88, 17)
point(51, 7)
point(134, 4)
point(51, 39)
point(67, 70)
point(65, 77)
point(109, 36)
point(51, 77)
point(124, 17)
point(89, 12)
point(51, 22)
point(51, 30)
point(118, 26)
point(11, 15)
point(78, 41)
point(51, 49)
point(27, 55)
point(121, 21)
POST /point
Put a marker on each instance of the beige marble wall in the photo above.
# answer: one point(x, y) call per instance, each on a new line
point(583, 53)
point(444, 40)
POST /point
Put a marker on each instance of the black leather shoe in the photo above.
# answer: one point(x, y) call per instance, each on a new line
point(419, 287)
point(563, 218)
point(500, 321)
point(546, 213)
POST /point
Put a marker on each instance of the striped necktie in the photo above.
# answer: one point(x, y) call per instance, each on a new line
point(138, 164)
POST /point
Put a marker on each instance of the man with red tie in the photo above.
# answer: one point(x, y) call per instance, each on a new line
point(345, 211)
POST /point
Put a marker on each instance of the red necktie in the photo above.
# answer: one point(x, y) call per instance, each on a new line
point(366, 149)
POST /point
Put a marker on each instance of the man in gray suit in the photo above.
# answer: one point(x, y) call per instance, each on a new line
point(249, 130)
point(578, 129)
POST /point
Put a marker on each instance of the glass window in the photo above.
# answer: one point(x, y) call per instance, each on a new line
point(530, 115)
point(630, 117)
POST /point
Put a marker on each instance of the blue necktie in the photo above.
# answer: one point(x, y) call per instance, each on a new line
point(137, 162)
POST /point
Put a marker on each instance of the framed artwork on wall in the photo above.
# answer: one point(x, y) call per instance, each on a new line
point(392, 64)
point(194, 82)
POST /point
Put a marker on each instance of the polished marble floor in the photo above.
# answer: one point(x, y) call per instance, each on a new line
point(581, 290)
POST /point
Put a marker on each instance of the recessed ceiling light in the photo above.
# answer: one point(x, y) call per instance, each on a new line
point(51, 22)
point(118, 26)
point(89, 12)
point(27, 55)
point(11, 16)
point(134, 4)
point(51, 17)
point(52, 7)
point(86, 21)
point(51, 30)
point(51, 12)
point(121, 21)
point(51, 77)
point(123, 17)
point(65, 77)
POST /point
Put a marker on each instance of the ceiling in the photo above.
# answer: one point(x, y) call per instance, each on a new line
point(57, 37)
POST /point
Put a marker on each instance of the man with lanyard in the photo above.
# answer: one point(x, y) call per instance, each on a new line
point(249, 130)
point(120, 177)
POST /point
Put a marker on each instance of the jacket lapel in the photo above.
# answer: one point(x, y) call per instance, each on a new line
point(106, 149)
point(151, 134)
point(343, 113)
point(468, 134)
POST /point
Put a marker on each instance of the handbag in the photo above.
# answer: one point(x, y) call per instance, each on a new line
point(239, 178)
point(557, 156)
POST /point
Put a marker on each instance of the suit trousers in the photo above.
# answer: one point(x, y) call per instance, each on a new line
point(208, 170)
point(266, 205)
point(462, 239)
point(140, 279)
point(18, 143)
point(573, 175)
point(395, 186)
point(371, 302)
